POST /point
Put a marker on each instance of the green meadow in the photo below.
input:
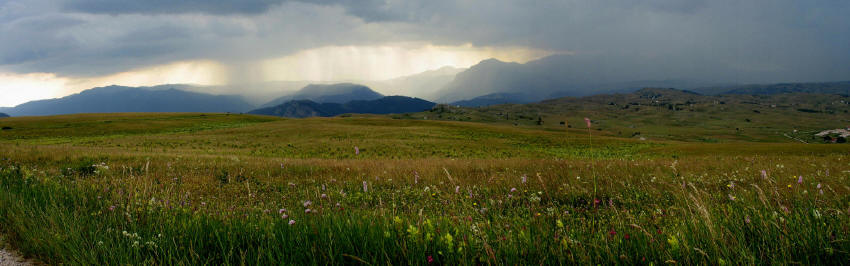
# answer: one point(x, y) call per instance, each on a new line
point(228, 189)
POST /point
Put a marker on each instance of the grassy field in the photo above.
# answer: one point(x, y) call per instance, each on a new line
point(239, 189)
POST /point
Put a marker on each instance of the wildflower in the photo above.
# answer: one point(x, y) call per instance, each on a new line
point(763, 174)
point(732, 198)
point(291, 222)
point(281, 211)
point(731, 184)
point(800, 180)
point(415, 177)
point(820, 191)
point(112, 208)
point(365, 187)
point(513, 189)
point(323, 187)
point(356, 150)
point(430, 259)
point(611, 202)
point(596, 202)
point(559, 223)
point(819, 186)
point(284, 216)
point(587, 121)
point(747, 219)
point(307, 211)
point(612, 232)
point(457, 189)
point(307, 203)
point(524, 179)
point(324, 196)
point(337, 204)
point(789, 186)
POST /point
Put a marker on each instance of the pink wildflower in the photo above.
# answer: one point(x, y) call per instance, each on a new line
point(763, 174)
point(587, 121)
point(281, 211)
point(291, 222)
point(356, 150)
point(800, 180)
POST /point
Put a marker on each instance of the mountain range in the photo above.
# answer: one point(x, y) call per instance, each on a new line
point(116, 99)
point(3, 115)
point(384, 105)
point(490, 82)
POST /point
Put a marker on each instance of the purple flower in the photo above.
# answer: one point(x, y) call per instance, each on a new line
point(764, 174)
point(324, 196)
point(524, 179)
point(284, 216)
point(513, 189)
point(281, 211)
point(307, 203)
point(291, 222)
point(365, 187)
point(800, 180)
point(819, 186)
point(356, 150)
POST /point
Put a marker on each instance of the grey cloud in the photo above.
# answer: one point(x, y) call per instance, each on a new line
point(729, 40)
point(169, 6)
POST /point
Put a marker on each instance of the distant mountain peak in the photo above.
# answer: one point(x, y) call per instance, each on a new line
point(329, 93)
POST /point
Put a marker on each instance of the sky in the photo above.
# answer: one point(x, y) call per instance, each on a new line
point(52, 48)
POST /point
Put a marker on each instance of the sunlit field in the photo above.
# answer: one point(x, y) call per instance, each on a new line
point(237, 189)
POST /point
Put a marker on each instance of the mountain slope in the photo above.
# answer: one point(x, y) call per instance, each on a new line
point(554, 76)
point(332, 93)
point(308, 108)
point(114, 99)
point(3, 115)
point(840, 87)
point(423, 85)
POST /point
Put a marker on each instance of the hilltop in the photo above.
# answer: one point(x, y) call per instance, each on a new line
point(385, 105)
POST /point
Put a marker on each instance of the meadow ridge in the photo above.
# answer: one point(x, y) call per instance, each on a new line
point(193, 188)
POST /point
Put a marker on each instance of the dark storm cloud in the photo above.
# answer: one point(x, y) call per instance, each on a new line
point(746, 41)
